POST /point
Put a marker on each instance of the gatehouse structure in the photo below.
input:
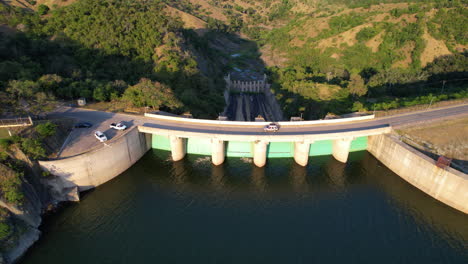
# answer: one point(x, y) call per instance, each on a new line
point(252, 85)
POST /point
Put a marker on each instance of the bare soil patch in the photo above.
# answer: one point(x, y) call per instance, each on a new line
point(347, 37)
point(310, 29)
point(434, 48)
point(325, 91)
point(189, 20)
point(216, 13)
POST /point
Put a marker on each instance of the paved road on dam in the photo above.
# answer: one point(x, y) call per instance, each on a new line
point(82, 140)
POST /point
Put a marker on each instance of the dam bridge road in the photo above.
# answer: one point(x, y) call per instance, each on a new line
point(218, 137)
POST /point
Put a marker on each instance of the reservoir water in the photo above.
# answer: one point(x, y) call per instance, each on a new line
point(192, 212)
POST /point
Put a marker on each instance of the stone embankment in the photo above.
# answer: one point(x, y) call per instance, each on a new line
point(446, 185)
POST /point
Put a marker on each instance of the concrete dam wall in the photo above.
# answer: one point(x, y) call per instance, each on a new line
point(93, 168)
point(446, 185)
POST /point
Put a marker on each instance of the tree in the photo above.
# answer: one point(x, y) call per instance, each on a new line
point(356, 85)
point(42, 9)
point(33, 147)
point(22, 89)
point(149, 93)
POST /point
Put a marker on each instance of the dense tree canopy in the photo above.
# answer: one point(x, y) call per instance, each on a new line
point(96, 49)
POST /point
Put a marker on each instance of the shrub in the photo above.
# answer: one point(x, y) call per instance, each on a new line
point(33, 147)
point(46, 130)
point(42, 9)
point(367, 33)
point(4, 143)
point(358, 107)
point(11, 189)
point(5, 230)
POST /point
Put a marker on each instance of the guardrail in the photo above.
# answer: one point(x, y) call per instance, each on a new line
point(16, 122)
point(256, 124)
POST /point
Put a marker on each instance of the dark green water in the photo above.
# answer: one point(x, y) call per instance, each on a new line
point(191, 212)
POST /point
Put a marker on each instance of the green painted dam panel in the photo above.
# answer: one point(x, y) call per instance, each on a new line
point(239, 149)
point(359, 144)
point(200, 146)
point(280, 150)
point(321, 148)
point(245, 149)
point(161, 142)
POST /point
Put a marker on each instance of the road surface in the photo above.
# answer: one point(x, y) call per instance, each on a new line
point(82, 139)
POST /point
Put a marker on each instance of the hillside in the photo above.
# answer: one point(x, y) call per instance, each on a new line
point(401, 51)
point(321, 55)
point(107, 51)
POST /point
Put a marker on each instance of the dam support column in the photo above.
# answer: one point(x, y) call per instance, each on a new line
point(341, 148)
point(177, 148)
point(301, 152)
point(217, 151)
point(260, 153)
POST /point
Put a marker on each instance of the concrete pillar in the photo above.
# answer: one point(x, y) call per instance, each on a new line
point(177, 148)
point(217, 151)
point(301, 152)
point(260, 153)
point(341, 148)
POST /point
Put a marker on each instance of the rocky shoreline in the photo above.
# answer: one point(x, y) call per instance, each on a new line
point(42, 194)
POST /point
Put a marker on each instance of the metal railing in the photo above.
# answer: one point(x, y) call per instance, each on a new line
point(16, 122)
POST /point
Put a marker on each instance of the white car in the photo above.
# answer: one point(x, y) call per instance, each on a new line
point(118, 126)
point(272, 127)
point(100, 136)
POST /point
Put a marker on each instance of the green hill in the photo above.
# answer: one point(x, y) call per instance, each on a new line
point(321, 55)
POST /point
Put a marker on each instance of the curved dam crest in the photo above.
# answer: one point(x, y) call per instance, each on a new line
point(93, 168)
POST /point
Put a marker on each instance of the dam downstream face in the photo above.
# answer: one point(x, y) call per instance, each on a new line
point(192, 212)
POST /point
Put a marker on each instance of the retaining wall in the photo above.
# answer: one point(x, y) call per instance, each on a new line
point(446, 185)
point(91, 169)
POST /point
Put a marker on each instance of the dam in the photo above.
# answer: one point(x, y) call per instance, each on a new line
point(300, 141)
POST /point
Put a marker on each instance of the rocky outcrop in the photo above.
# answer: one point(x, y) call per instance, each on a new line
point(25, 241)
point(38, 196)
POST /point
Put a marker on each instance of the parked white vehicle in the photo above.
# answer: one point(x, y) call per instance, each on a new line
point(118, 126)
point(100, 136)
point(272, 127)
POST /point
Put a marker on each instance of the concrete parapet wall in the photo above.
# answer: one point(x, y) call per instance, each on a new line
point(254, 136)
point(91, 169)
point(446, 185)
point(257, 124)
